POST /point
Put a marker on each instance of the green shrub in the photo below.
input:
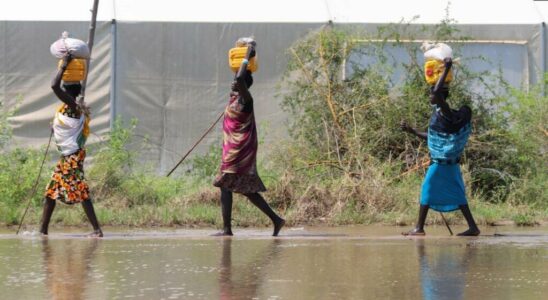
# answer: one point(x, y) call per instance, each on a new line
point(343, 127)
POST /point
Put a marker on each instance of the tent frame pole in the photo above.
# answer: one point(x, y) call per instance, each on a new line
point(543, 56)
point(113, 59)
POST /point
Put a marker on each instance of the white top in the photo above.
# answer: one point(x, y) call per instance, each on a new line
point(66, 131)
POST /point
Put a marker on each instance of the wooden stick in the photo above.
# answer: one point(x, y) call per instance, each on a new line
point(91, 40)
point(196, 144)
point(446, 224)
point(35, 184)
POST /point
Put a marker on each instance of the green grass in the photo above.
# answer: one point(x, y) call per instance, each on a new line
point(246, 215)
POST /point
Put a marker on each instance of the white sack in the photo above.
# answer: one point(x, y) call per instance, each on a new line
point(66, 44)
point(438, 51)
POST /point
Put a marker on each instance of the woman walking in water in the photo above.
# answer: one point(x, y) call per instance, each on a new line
point(238, 172)
point(71, 129)
point(443, 187)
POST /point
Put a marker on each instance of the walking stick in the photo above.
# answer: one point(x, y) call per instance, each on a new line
point(196, 144)
point(446, 224)
point(35, 184)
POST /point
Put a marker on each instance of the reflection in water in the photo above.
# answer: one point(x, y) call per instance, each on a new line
point(443, 273)
point(67, 264)
point(244, 281)
point(289, 268)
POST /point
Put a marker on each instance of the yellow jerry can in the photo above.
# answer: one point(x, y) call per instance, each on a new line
point(76, 70)
point(235, 57)
point(433, 70)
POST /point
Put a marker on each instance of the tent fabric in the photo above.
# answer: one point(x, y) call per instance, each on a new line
point(26, 71)
point(165, 62)
point(542, 7)
point(280, 11)
point(181, 87)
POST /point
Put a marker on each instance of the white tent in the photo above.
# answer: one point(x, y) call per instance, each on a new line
point(164, 61)
point(281, 11)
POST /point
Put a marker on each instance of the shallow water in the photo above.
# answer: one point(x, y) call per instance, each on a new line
point(305, 263)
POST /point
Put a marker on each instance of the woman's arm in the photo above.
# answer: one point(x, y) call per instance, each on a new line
point(436, 93)
point(56, 85)
point(240, 76)
point(405, 127)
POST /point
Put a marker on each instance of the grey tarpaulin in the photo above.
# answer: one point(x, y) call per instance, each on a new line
point(168, 68)
point(182, 84)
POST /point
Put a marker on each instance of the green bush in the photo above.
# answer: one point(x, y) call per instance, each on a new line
point(18, 171)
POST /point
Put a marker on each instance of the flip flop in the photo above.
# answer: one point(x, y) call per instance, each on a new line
point(413, 232)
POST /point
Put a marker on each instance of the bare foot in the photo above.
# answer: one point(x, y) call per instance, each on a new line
point(278, 226)
point(225, 232)
point(95, 234)
point(414, 232)
point(470, 232)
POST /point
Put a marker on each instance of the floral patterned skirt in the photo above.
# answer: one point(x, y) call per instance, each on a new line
point(67, 182)
point(240, 183)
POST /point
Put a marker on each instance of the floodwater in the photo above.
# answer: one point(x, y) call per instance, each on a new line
point(370, 262)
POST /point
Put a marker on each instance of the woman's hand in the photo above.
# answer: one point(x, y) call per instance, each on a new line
point(448, 62)
point(405, 127)
point(251, 52)
point(66, 60)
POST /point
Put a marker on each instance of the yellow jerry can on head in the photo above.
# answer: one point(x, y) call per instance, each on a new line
point(433, 70)
point(235, 57)
point(76, 70)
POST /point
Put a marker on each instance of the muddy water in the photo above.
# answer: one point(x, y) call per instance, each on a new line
point(305, 263)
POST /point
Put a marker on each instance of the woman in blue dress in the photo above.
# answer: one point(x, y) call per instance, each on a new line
point(443, 187)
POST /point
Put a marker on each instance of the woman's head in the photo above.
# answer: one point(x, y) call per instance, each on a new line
point(441, 95)
point(74, 89)
point(248, 79)
point(465, 110)
point(248, 82)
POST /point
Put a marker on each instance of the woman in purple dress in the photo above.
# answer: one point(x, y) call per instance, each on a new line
point(238, 172)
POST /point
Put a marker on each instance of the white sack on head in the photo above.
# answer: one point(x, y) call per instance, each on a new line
point(66, 44)
point(438, 51)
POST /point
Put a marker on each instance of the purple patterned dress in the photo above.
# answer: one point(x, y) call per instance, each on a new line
point(238, 167)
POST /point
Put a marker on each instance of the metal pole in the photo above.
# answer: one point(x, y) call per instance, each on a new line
point(543, 57)
point(113, 58)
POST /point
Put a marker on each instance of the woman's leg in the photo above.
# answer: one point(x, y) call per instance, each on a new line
point(259, 201)
point(419, 228)
point(473, 229)
point(49, 205)
point(90, 213)
point(226, 209)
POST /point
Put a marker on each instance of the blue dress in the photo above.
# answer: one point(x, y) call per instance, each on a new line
point(443, 187)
